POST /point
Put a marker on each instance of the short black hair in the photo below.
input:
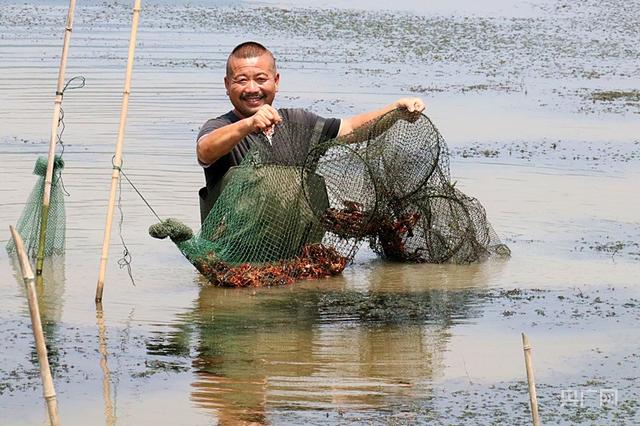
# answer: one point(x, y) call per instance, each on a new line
point(249, 49)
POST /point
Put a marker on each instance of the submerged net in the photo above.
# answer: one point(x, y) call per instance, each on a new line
point(295, 209)
point(437, 225)
point(28, 225)
point(410, 211)
point(263, 229)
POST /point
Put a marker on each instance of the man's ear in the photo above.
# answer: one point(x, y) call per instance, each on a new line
point(226, 84)
point(277, 80)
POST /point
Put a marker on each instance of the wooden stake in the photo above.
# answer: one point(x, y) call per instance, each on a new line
point(533, 398)
point(46, 198)
point(49, 391)
point(117, 161)
point(109, 415)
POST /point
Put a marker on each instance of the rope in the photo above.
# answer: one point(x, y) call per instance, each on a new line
point(78, 83)
point(127, 258)
point(119, 168)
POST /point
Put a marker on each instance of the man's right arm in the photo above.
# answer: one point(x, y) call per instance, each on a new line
point(218, 143)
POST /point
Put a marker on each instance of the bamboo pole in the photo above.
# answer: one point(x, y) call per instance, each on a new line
point(110, 418)
point(533, 398)
point(49, 390)
point(46, 198)
point(117, 161)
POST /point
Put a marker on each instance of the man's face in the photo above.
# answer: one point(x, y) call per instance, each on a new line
point(251, 83)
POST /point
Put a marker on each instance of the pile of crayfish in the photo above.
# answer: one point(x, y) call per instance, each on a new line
point(315, 261)
point(353, 222)
point(350, 222)
point(392, 235)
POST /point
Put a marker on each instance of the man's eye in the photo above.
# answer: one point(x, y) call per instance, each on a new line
point(262, 80)
point(241, 81)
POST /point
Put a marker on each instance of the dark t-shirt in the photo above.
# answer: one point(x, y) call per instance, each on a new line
point(305, 123)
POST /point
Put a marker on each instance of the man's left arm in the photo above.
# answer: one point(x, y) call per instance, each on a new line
point(350, 124)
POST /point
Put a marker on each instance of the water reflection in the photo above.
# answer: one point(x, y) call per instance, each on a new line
point(318, 348)
point(109, 407)
point(382, 276)
point(50, 296)
point(51, 293)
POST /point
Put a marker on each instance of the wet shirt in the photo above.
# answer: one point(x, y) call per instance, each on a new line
point(304, 120)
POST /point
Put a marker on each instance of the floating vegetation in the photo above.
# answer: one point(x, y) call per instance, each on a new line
point(632, 96)
point(595, 155)
point(611, 101)
point(613, 248)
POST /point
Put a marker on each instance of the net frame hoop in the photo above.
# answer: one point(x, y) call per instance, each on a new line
point(436, 160)
point(371, 216)
point(452, 251)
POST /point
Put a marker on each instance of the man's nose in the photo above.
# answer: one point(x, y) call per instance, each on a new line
point(252, 86)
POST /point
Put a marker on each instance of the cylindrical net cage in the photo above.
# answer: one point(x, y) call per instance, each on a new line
point(29, 223)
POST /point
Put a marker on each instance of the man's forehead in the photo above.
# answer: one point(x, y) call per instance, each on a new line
point(254, 65)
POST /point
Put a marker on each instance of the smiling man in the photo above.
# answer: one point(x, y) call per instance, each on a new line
point(251, 82)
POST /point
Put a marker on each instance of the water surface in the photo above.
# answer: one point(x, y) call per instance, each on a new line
point(510, 86)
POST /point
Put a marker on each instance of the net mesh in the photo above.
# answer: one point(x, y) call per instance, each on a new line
point(28, 225)
point(408, 209)
point(292, 211)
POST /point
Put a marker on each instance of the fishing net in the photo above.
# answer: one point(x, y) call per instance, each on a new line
point(410, 211)
point(28, 225)
point(436, 225)
point(294, 209)
point(263, 229)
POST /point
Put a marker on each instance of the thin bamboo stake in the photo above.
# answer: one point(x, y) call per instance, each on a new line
point(110, 418)
point(46, 198)
point(49, 390)
point(117, 161)
point(533, 398)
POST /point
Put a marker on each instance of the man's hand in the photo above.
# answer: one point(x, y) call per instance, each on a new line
point(221, 141)
point(411, 104)
point(349, 124)
point(264, 118)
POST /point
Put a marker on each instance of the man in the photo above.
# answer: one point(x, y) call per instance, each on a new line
point(251, 82)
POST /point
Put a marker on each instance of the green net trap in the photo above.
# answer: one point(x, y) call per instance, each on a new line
point(28, 225)
point(290, 211)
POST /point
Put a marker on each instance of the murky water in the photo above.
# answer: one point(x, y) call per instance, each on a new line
point(513, 88)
